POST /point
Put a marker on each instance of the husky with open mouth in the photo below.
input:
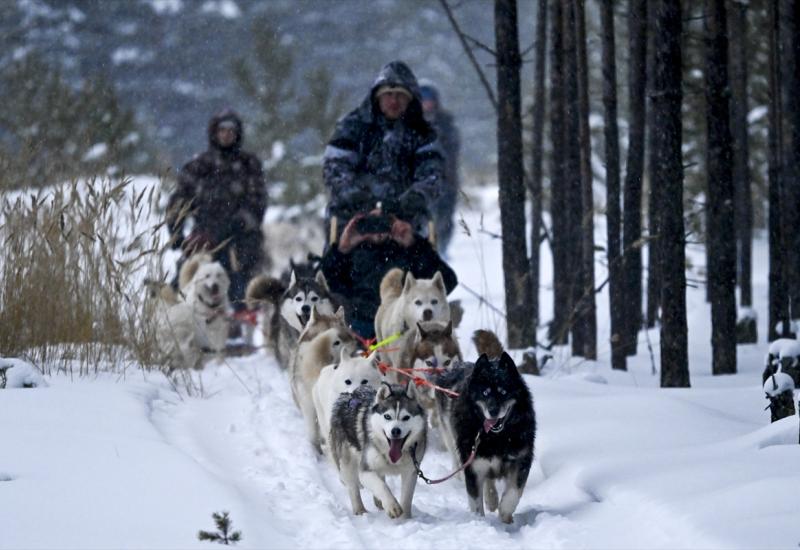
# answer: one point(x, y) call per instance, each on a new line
point(493, 417)
point(375, 434)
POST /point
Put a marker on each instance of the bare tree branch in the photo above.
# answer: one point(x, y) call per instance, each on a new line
point(469, 53)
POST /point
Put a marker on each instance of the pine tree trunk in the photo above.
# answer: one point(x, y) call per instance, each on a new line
point(588, 309)
point(653, 291)
point(632, 192)
point(613, 212)
point(510, 176)
point(790, 176)
point(778, 297)
point(737, 24)
point(721, 245)
point(537, 154)
point(559, 211)
point(572, 173)
point(666, 149)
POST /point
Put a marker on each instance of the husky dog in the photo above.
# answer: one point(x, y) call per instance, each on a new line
point(289, 308)
point(342, 377)
point(432, 348)
point(324, 340)
point(404, 304)
point(495, 405)
point(198, 323)
point(373, 434)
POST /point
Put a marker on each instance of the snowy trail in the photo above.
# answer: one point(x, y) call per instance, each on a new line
point(256, 444)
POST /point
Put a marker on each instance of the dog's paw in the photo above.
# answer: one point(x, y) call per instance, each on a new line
point(359, 511)
point(378, 503)
point(394, 510)
point(507, 518)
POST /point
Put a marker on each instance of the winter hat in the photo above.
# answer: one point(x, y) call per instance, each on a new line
point(428, 90)
point(386, 88)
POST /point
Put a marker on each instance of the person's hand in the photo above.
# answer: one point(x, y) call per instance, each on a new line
point(197, 241)
point(351, 238)
point(402, 232)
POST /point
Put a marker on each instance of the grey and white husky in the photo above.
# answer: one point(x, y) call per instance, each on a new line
point(373, 434)
point(494, 405)
point(288, 308)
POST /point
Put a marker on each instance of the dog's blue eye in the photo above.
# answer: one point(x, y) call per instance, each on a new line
point(406, 418)
point(487, 391)
point(434, 302)
point(502, 391)
point(429, 363)
point(446, 363)
point(348, 382)
point(387, 417)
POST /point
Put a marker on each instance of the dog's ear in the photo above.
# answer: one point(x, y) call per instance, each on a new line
point(384, 392)
point(343, 355)
point(421, 331)
point(314, 315)
point(409, 283)
point(482, 362)
point(507, 362)
point(322, 281)
point(411, 389)
point(448, 330)
point(292, 279)
point(438, 281)
point(340, 313)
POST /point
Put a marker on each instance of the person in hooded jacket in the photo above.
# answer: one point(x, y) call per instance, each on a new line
point(223, 192)
point(448, 135)
point(382, 168)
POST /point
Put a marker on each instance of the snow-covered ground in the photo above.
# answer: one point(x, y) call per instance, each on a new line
point(123, 461)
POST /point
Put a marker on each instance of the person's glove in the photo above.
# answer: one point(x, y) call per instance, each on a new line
point(353, 200)
point(197, 242)
point(412, 205)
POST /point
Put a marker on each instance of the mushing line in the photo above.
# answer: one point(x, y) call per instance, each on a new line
point(371, 345)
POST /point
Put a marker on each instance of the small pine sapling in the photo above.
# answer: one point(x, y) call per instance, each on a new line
point(224, 535)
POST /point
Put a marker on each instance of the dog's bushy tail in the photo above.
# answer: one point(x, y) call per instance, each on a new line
point(190, 267)
point(161, 290)
point(263, 289)
point(392, 284)
point(487, 342)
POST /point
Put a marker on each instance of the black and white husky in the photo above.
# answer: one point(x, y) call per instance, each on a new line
point(288, 308)
point(373, 434)
point(494, 408)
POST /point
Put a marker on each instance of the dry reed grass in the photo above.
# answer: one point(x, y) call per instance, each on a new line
point(73, 259)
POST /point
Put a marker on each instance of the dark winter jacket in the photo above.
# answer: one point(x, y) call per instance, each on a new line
point(226, 193)
point(447, 133)
point(357, 276)
point(370, 158)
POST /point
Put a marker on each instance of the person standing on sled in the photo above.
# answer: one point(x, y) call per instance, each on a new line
point(382, 168)
point(223, 192)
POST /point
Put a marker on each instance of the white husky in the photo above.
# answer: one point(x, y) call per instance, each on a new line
point(345, 376)
point(198, 322)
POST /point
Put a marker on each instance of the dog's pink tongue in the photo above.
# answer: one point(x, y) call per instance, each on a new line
point(489, 423)
point(395, 449)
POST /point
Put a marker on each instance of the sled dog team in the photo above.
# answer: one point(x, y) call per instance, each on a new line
point(369, 412)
